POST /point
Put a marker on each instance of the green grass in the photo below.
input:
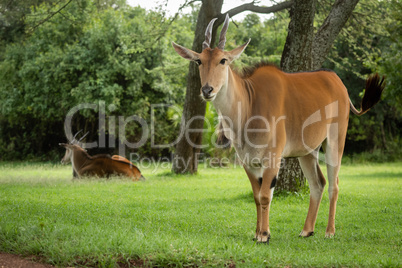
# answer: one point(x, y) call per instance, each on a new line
point(202, 220)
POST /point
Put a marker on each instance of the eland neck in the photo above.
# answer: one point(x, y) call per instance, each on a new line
point(233, 101)
point(79, 159)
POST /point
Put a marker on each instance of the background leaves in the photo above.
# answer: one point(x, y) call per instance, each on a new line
point(89, 52)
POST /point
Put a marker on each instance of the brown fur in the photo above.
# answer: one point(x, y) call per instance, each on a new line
point(101, 165)
point(248, 71)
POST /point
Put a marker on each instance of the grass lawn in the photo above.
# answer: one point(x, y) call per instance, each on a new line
point(202, 220)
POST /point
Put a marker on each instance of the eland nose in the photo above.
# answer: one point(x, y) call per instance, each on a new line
point(206, 90)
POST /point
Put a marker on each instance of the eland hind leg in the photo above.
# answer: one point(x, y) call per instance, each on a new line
point(333, 147)
point(316, 181)
point(333, 190)
point(332, 159)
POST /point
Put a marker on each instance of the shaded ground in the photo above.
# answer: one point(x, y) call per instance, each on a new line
point(15, 261)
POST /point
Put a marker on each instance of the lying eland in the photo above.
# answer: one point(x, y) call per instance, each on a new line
point(102, 165)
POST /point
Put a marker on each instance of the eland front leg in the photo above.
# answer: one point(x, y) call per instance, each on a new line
point(256, 186)
point(263, 184)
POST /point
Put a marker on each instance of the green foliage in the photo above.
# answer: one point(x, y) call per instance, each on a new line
point(390, 60)
point(109, 52)
point(120, 57)
point(369, 43)
point(172, 221)
point(12, 20)
point(267, 38)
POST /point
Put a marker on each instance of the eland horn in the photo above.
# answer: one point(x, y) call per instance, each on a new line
point(83, 136)
point(73, 140)
point(222, 38)
point(208, 35)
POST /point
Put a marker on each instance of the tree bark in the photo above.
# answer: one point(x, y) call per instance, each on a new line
point(186, 156)
point(296, 55)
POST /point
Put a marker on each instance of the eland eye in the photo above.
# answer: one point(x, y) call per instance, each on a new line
point(198, 61)
point(223, 61)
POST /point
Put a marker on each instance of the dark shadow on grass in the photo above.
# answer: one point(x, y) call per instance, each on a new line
point(166, 174)
point(244, 197)
point(249, 197)
point(176, 175)
point(380, 175)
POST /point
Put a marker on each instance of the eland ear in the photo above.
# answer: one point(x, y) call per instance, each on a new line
point(235, 53)
point(186, 53)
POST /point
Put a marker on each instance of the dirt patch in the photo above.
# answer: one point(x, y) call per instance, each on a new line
point(14, 261)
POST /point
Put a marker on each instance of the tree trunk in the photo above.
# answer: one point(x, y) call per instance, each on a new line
point(186, 156)
point(329, 30)
point(290, 176)
point(296, 55)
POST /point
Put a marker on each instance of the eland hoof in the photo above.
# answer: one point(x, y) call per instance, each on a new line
point(329, 235)
point(306, 234)
point(261, 240)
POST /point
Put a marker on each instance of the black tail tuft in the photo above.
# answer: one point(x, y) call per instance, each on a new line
point(374, 87)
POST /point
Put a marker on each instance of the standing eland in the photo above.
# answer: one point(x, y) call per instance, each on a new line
point(268, 114)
